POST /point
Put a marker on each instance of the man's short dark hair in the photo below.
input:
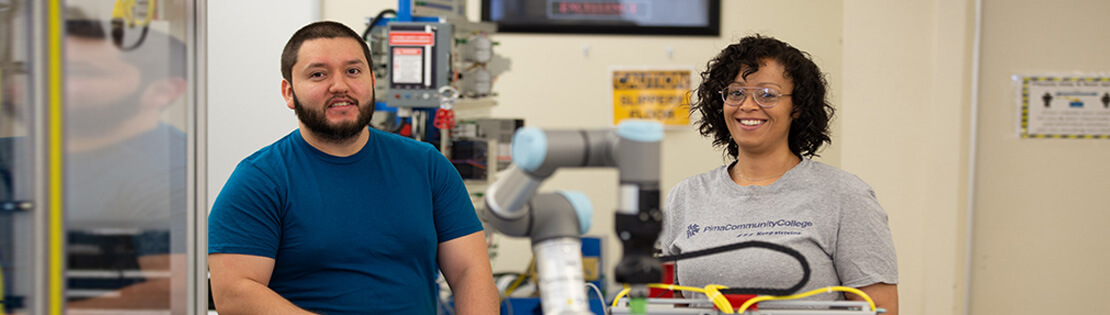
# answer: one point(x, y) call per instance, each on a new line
point(322, 29)
point(157, 56)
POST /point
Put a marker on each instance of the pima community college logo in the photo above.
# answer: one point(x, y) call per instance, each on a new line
point(773, 225)
point(692, 230)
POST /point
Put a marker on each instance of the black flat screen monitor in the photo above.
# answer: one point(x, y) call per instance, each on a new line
point(639, 17)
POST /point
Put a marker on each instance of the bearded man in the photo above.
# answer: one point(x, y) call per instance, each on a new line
point(339, 218)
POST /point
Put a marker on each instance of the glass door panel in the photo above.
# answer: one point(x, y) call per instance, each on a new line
point(125, 156)
point(17, 160)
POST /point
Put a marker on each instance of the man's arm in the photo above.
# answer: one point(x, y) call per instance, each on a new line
point(884, 295)
point(239, 286)
point(465, 264)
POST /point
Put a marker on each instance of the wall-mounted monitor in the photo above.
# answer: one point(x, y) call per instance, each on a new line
point(639, 17)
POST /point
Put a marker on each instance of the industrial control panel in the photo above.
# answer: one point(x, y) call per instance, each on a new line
point(418, 62)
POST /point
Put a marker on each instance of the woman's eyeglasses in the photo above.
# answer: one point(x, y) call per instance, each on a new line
point(764, 96)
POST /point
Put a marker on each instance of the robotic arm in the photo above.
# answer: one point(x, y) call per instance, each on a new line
point(554, 221)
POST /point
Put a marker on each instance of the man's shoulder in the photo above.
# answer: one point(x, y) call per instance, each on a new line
point(275, 152)
point(400, 144)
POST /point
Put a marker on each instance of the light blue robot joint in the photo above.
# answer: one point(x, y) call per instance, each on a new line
point(641, 130)
point(529, 148)
point(582, 207)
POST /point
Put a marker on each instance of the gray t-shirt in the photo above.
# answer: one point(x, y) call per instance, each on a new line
point(828, 215)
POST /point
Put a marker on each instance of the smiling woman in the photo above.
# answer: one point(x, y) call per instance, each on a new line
point(764, 101)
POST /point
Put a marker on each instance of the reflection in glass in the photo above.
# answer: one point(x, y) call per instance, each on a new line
point(16, 160)
point(124, 163)
point(124, 166)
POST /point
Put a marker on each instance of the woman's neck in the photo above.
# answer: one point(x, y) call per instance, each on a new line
point(762, 169)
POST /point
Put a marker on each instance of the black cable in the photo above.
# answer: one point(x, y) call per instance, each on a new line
point(117, 35)
point(375, 21)
point(759, 244)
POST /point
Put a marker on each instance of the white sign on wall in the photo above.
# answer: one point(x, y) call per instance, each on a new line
point(1071, 107)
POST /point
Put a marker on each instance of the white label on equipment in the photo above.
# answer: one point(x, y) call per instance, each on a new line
point(412, 38)
point(407, 65)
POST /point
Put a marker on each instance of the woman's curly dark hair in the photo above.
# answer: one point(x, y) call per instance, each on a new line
point(809, 130)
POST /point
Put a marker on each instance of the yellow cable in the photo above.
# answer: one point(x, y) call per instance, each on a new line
point(151, 7)
point(712, 291)
point(535, 277)
point(122, 10)
point(621, 294)
point(806, 294)
point(520, 279)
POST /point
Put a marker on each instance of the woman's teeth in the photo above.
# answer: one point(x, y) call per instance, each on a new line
point(751, 122)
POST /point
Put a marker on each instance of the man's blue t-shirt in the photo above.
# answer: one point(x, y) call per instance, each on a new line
point(356, 234)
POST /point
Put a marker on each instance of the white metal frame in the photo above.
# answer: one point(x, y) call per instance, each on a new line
point(197, 227)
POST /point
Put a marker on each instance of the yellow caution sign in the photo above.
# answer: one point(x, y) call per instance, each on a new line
point(661, 95)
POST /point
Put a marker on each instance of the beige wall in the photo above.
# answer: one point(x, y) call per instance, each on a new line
point(1041, 204)
point(905, 124)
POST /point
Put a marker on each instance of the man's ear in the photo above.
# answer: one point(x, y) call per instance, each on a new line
point(287, 93)
point(161, 93)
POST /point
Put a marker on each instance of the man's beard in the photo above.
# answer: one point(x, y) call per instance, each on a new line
point(317, 121)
